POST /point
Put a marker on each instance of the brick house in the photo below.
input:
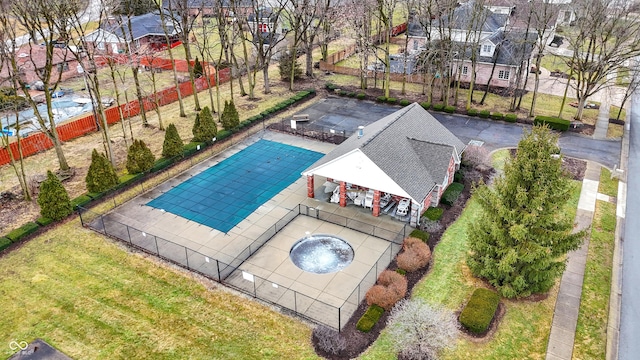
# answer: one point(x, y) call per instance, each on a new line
point(31, 59)
point(405, 155)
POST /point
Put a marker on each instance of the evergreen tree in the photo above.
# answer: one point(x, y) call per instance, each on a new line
point(101, 175)
point(209, 127)
point(284, 66)
point(173, 145)
point(198, 71)
point(139, 158)
point(53, 199)
point(520, 237)
point(197, 129)
point(230, 118)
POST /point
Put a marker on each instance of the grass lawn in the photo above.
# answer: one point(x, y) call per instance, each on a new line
point(591, 331)
point(607, 185)
point(93, 300)
point(524, 330)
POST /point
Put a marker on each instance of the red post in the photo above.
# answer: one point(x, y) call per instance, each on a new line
point(343, 194)
point(310, 192)
point(376, 202)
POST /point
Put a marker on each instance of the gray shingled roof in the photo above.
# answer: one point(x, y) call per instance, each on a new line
point(512, 48)
point(409, 145)
point(141, 26)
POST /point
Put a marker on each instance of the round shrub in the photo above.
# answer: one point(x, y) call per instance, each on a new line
point(392, 100)
point(361, 96)
point(450, 109)
point(438, 107)
point(511, 118)
point(329, 340)
point(53, 199)
point(415, 256)
point(484, 114)
point(391, 287)
point(497, 116)
point(425, 105)
point(472, 112)
point(404, 102)
point(370, 318)
point(343, 93)
point(381, 99)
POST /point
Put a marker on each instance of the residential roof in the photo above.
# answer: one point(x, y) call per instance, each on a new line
point(410, 147)
point(141, 26)
point(200, 4)
point(466, 14)
point(512, 47)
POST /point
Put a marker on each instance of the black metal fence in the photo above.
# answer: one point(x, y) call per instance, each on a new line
point(313, 131)
point(230, 275)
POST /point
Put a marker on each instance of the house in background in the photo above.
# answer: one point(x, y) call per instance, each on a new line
point(209, 8)
point(32, 59)
point(406, 157)
point(147, 34)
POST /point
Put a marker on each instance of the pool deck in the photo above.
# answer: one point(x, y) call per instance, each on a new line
point(271, 262)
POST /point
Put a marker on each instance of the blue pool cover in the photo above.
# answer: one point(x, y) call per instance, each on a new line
point(225, 194)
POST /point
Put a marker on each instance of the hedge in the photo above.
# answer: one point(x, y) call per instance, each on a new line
point(452, 193)
point(450, 109)
point(361, 96)
point(22, 231)
point(422, 235)
point(404, 102)
point(381, 99)
point(511, 118)
point(553, 122)
point(472, 112)
point(370, 318)
point(484, 114)
point(161, 164)
point(392, 100)
point(480, 310)
point(458, 177)
point(81, 200)
point(497, 116)
point(43, 221)
point(438, 107)
point(5, 243)
point(425, 105)
point(434, 213)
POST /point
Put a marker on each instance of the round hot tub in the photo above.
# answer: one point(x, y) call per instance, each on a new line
point(321, 253)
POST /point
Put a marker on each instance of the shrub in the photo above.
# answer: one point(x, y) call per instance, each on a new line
point(139, 157)
point(392, 100)
point(458, 177)
point(497, 116)
point(101, 175)
point(450, 109)
point(425, 105)
point(22, 231)
point(370, 318)
point(230, 118)
point(452, 193)
point(433, 213)
point(5, 243)
point(404, 102)
point(43, 221)
point(420, 235)
point(419, 331)
point(480, 310)
point(484, 114)
point(53, 199)
point(476, 156)
point(511, 118)
point(204, 128)
point(416, 255)
point(172, 145)
point(391, 287)
point(330, 86)
point(161, 164)
point(401, 271)
point(343, 93)
point(361, 96)
point(553, 122)
point(329, 340)
point(284, 66)
point(438, 107)
point(197, 68)
point(472, 112)
point(352, 94)
point(81, 200)
point(381, 99)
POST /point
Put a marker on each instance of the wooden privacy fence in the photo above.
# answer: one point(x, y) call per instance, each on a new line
point(37, 142)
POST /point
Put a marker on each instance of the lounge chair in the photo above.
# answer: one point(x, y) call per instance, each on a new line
point(384, 200)
point(403, 207)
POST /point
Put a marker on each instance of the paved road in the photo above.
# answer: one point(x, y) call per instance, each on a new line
point(629, 346)
point(498, 135)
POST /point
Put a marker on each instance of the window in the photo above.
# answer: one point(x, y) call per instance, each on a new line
point(465, 70)
point(101, 45)
point(63, 66)
point(503, 74)
point(487, 48)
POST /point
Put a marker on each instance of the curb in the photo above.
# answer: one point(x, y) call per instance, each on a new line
point(615, 297)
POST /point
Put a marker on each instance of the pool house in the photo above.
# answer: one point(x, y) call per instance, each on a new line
point(399, 165)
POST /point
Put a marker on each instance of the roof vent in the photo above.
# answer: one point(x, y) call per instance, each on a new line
point(360, 131)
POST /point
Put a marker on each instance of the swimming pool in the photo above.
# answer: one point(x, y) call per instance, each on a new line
point(226, 193)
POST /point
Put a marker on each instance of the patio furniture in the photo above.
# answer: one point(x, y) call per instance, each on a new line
point(359, 199)
point(403, 207)
point(368, 199)
point(384, 200)
point(335, 197)
point(389, 207)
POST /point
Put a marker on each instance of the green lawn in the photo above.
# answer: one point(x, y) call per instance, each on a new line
point(524, 330)
point(93, 300)
point(607, 185)
point(591, 331)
